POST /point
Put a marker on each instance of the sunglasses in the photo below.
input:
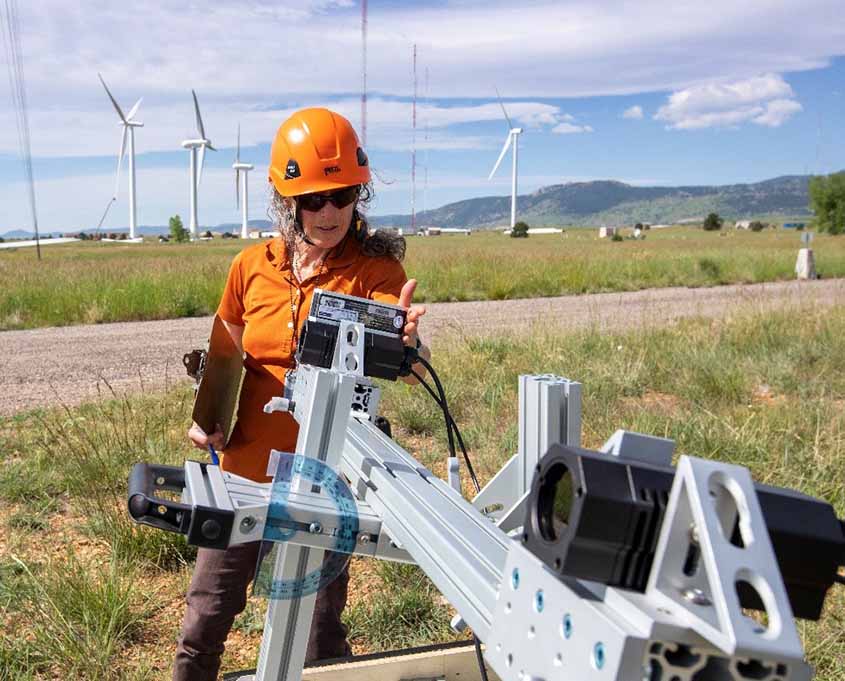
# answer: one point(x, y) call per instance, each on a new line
point(339, 199)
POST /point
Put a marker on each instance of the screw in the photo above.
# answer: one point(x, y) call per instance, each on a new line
point(696, 596)
point(598, 655)
point(160, 480)
point(538, 601)
point(515, 579)
point(364, 538)
point(315, 528)
point(247, 524)
point(693, 534)
point(162, 509)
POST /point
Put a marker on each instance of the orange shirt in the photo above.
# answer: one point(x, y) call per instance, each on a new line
point(264, 297)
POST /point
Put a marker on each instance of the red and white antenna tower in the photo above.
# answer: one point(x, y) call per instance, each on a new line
point(364, 73)
point(414, 149)
point(425, 161)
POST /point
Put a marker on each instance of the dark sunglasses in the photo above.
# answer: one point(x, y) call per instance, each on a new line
point(339, 199)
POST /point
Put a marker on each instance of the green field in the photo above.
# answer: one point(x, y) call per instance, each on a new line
point(84, 594)
point(107, 282)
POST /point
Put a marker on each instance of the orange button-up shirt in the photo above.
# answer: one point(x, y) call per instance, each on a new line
point(264, 297)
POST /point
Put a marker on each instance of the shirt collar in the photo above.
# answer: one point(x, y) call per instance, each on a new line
point(343, 255)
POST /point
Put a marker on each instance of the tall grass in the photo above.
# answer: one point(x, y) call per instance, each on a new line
point(767, 392)
point(100, 282)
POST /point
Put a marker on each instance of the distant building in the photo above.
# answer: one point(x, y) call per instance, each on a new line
point(607, 232)
point(742, 224)
point(540, 230)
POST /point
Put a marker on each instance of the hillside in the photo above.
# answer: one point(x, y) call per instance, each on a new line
point(611, 202)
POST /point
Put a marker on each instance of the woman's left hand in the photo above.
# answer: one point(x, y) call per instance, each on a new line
point(411, 331)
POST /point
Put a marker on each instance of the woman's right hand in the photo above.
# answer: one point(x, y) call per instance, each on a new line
point(201, 439)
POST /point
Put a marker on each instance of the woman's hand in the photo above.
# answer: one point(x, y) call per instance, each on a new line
point(201, 440)
point(411, 331)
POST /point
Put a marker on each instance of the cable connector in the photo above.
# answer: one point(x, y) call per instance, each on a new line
point(412, 356)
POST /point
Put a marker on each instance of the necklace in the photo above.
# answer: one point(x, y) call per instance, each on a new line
point(294, 296)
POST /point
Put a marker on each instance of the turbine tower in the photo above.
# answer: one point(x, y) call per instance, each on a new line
point(129, 125)
point(242, 187)
point(513, 138)
point(196, 175)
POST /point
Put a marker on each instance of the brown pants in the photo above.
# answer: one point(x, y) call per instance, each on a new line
point(218, 593)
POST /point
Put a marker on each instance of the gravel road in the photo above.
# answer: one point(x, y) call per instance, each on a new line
point(72, 364)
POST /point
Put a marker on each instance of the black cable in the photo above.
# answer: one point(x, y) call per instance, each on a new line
point(437, 399)
point(481, 667)
point(450, 422)
point(443, 405)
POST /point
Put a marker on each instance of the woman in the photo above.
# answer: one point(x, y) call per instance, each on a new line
point(320, 177)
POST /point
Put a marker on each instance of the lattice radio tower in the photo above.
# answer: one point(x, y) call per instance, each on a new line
point(414, 149)
point(364, 73)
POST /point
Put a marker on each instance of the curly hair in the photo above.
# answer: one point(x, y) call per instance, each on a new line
point(376, 243)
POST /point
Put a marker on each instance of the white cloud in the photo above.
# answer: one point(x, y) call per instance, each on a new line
point(778, 112)
point(764, 100)
point(570, 129)
point(633, 112)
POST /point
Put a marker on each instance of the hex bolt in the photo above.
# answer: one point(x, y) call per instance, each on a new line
point(515, 579)
point(598, 655)
point(160, 480)
point(162, 509)
point(363, 538)
point(315, 528)
point(247, 524)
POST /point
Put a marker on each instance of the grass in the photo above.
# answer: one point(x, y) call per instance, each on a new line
point(108, 282)
point(767, 392)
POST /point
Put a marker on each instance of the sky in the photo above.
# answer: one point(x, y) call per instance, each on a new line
point(648, 92)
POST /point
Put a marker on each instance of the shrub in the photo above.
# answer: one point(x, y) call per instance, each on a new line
point(616, 237)
point(177, 229)
point(712, 222)
point(639, 225)
point(520, 230)
point(757, 226)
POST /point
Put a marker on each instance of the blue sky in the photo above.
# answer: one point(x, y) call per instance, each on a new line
point(648, 93)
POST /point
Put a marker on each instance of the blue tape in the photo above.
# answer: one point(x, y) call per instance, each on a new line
point(280, 527)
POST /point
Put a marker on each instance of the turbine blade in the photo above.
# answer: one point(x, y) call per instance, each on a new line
point(210, 146)
point(113, 100)
point(238, 152)
point(120, 159)
point(501, 156)
point(134, 109)
point(199, 118)
point(501, 104)
point(200, 161)
point(237, 187)
point(105, 212)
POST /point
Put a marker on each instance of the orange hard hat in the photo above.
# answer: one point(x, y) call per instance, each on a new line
point(316, 150)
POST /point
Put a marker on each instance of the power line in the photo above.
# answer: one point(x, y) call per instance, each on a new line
point(11, 39)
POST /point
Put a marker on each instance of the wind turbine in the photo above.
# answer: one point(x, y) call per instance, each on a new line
point(129, 126)
point(196, 176)
point(244, 187)
point(513, 137)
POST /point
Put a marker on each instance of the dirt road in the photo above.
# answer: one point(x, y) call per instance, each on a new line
point(71, 364)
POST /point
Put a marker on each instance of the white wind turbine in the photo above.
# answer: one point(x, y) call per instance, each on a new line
point(244, 187)
point(129, 126)
point(196, 176)
point(513, 137)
